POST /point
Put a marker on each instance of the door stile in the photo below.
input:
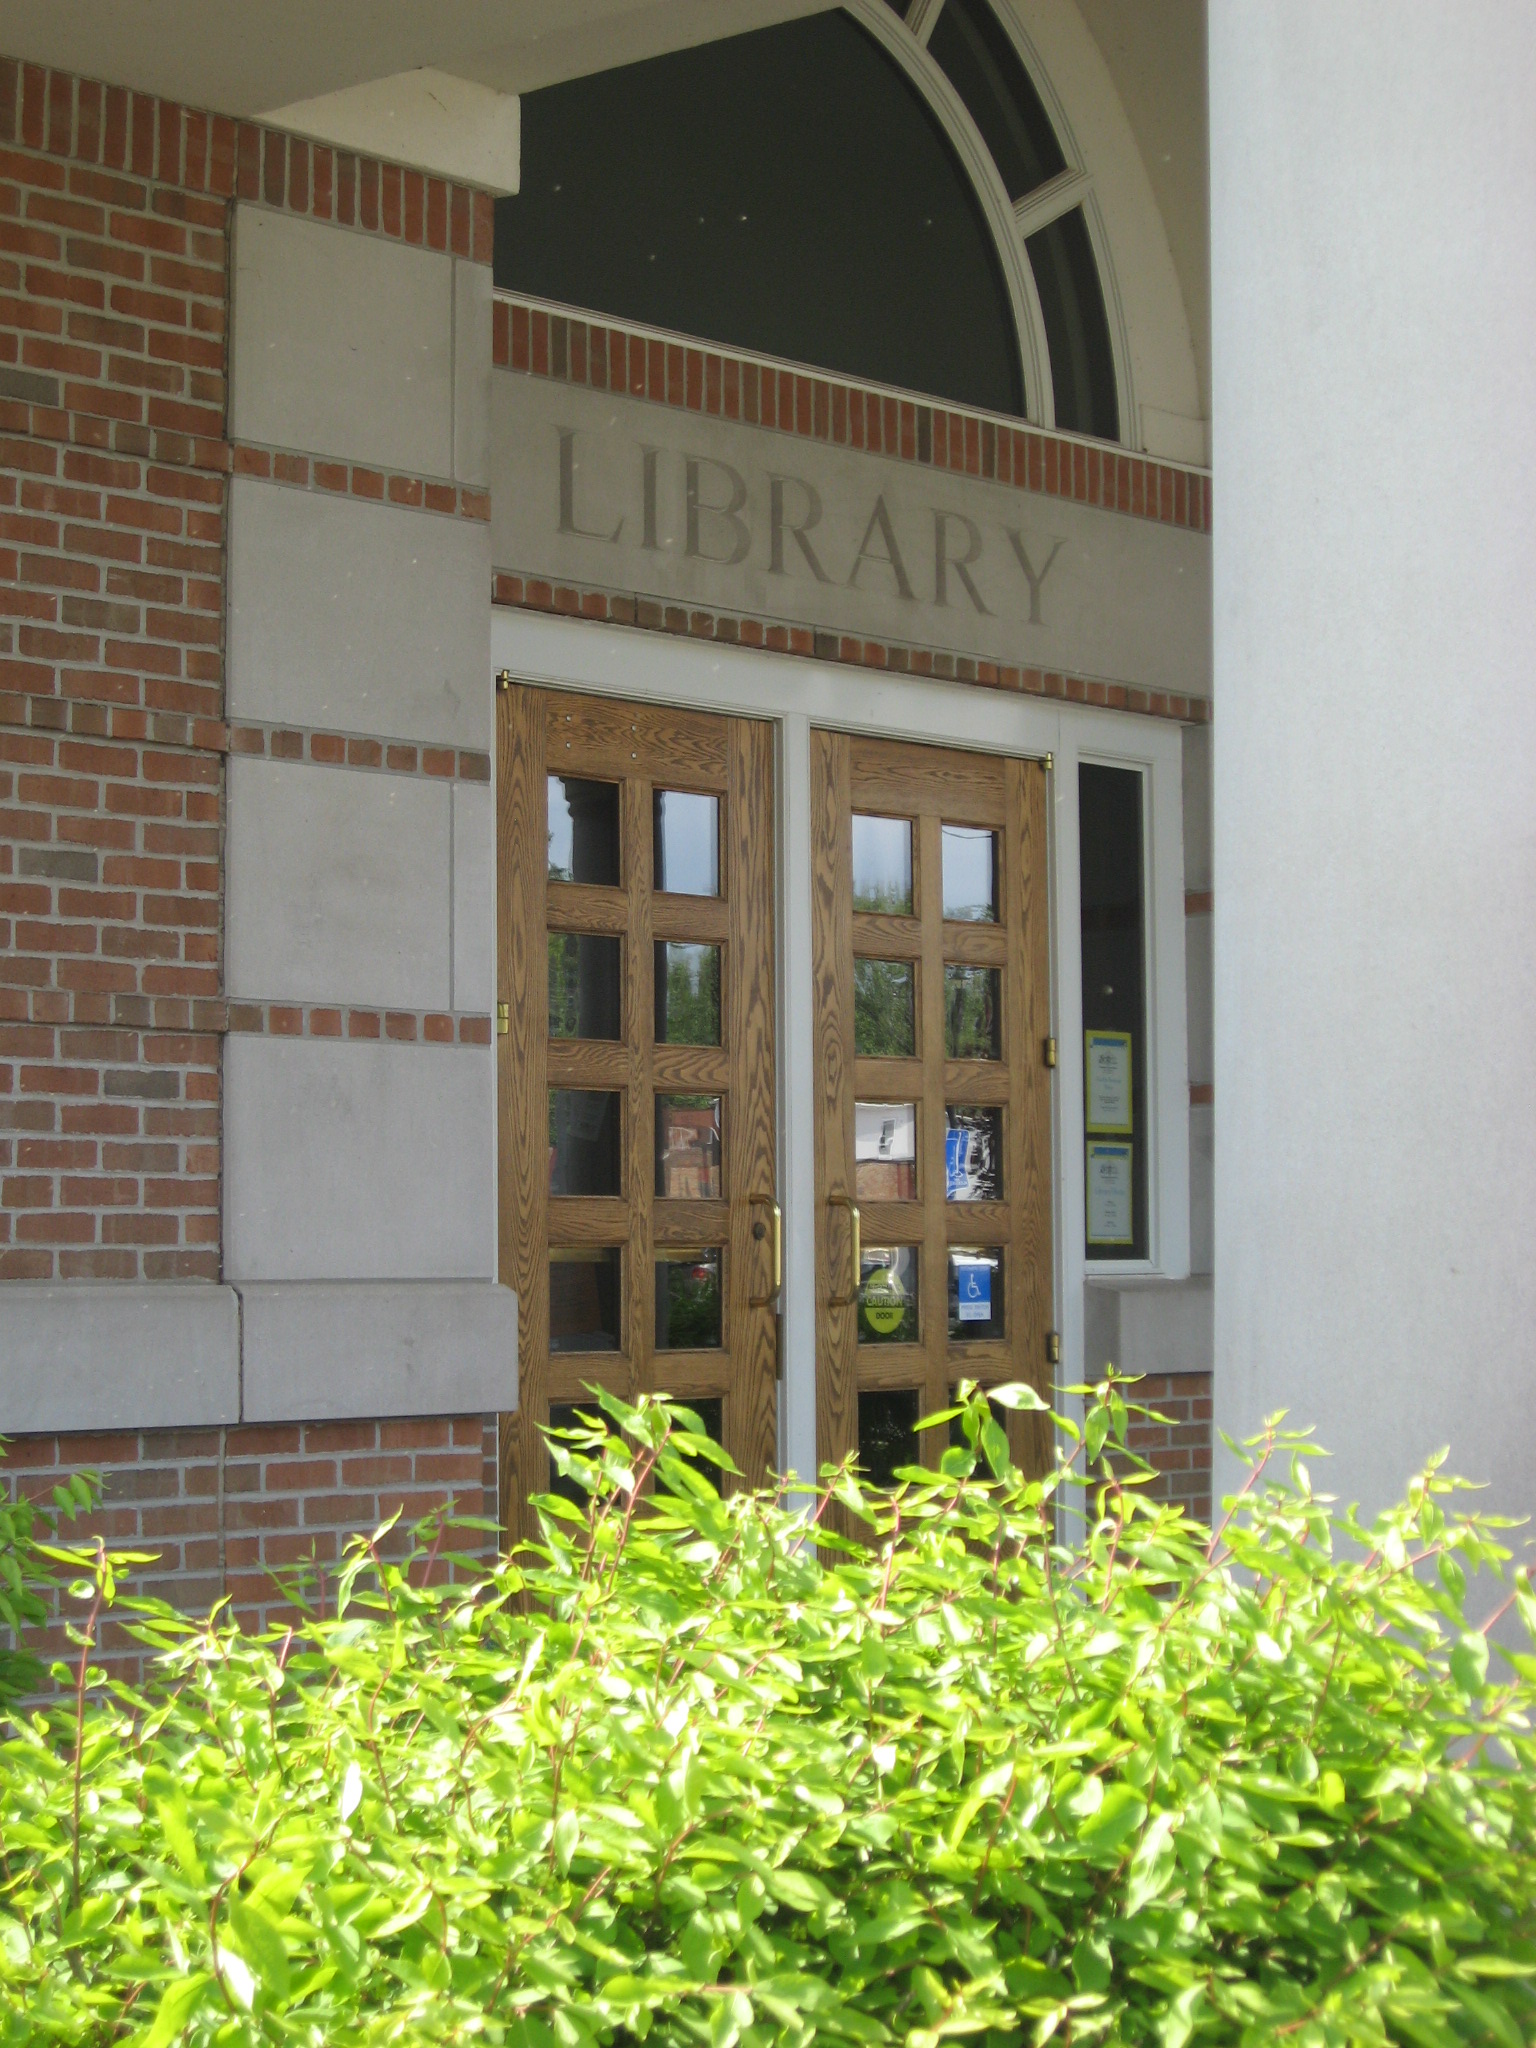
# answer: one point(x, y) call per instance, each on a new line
point(751, 1418)
point(522, 1086)
point(639, 1043)
point(1029, 997)
point(933, 1280)
point(837, 1401)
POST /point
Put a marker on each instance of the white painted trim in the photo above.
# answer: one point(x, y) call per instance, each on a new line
point(1048, 202)
point(921, 17)
point(797, 1103)
point(1135, 266)
point(796, 694)
point(893, 35)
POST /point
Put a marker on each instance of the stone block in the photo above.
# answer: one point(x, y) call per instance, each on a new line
point(358, 617)
point(342, 344)
point(1166, 1327)
point(474, 897)
point(354, 1160)
point(1199, 997)
point(117, 1355)
point(471, 373)
point(329, 1351)
point(338, 886)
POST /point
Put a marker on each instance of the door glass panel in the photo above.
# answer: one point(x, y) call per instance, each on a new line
point(975, 1294)
point(688, 1301)
point(585, 986)
point(585, 1153)
point(887, 1433)
point(584, 1298)
point(688, 1147)
point(686, 835)
point(583, 831)
point(972, 1013)
point(888, 1294)
point(884, 1009)
point(970, 874)
point(973, 1154)
point(882, 864)
point(885, 1151)
point(687, 994)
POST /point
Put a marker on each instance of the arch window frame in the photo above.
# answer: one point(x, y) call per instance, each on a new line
point(1010, 222)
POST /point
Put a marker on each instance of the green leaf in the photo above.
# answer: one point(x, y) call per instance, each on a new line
point(260, 1943)
point(1120, 1813)
point(1469, 1662)
point(179, 2000)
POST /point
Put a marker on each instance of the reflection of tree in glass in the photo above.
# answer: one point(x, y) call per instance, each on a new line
point(691, 1305)
point(688, 985)
point(564, 985)
point(583, 986)
point(971, 1013)
point(882, 1008)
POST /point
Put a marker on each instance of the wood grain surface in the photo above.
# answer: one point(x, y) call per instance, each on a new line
point(642, 749)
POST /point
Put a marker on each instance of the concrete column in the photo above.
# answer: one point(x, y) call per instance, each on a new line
point(1374, 306)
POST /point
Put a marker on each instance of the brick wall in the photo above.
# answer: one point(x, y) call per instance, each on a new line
point(1179, 1450)
point(233, 1512)
point(115, 214)
point(114, 315)
point(112, 338)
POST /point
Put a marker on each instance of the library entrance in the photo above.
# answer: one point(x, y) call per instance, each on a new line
point(643, 1087)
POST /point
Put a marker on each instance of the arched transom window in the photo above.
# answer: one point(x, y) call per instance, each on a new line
point(879, 191)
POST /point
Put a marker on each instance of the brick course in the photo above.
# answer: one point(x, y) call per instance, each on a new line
point(542, 341)
point(1179, 1450)
point(230, 1512)
point(782, 636)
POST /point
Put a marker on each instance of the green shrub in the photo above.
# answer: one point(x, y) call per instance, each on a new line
point(681, 1776)
point(28, 1581)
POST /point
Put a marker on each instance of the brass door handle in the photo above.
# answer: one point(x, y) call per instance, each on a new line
point(767, 1202)
point(847, 1202)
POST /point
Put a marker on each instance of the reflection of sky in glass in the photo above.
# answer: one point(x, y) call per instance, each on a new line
point(970, 888)
point(687, 831)
point(560, 829)
point(882, 864)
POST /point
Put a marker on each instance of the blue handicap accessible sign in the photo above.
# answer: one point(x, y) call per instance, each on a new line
point(973, 1282)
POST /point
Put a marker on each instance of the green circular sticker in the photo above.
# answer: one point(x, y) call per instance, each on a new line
point(884, 1301)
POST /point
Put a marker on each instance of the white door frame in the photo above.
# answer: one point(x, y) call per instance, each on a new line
point(796, 693)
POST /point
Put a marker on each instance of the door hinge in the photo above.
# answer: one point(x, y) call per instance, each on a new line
point(1052, 1347)
point(504, 679)
point(1049, 763)
point(503, 1019)
point(1050, 1052)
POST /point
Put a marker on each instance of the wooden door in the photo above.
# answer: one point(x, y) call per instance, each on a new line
point(636, 1073)
point(931, 963)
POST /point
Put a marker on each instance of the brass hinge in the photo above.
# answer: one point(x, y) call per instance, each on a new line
point(1052, 1347)
point(1048, 763)
point(504, 679)
point(1050, 1052)
point(503, 1019)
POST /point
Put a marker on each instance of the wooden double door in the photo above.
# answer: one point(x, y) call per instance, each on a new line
point(639, 1082)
